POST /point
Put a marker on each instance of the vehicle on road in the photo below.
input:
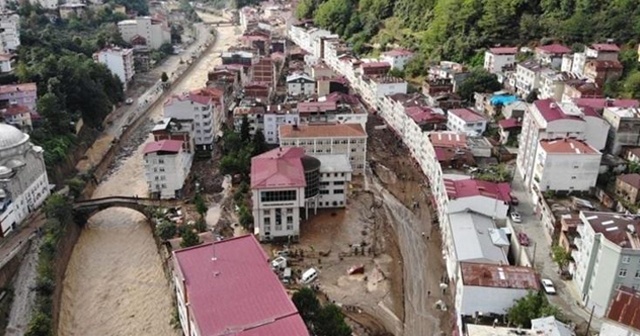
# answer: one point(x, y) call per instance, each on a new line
point(309, 276)
point(129, 101)
point(514, 200)
point(283, 253)
point(548, 287)
point(279, 263)
point(515, 217)
point(523, 239)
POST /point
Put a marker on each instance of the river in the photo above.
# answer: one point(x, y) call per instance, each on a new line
point(115, 283)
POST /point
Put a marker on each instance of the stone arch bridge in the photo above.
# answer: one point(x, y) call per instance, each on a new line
point(83, 210)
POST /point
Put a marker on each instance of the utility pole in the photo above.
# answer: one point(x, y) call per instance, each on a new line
point(590, 318)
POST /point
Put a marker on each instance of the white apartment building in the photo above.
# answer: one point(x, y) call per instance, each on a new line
point(565, 165)
point(200, 110)
point(300, 84)
point(624, 127)
point(119, 61)
point(528, 76)
point(272, 122)
point(466, 121)
point(288, 186)
point(598, 51)
point(155, 32)
point(607, 256)
point(46, 4)
point(551, 54)
point(320, 139)
point(398, 58)
point(495, 59)
point(552, 84)
point(254, 113)
point(9, 32)
point(5, 63)
point(166, 167)
point(547, 120)
point(374, 88)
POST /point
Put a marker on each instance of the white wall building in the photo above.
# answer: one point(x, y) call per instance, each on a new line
point(24, 184)
point(398, 58)
point(166, 167)
point(9, 32)
point(5, 63)
point(607, 256)
point(374, 88)
point(272, 122)
point(199, 109)
point(466, 121)
point(495, 59)
point(528, 77)
point(155, 32)
point(335, 177)
point(119, 61)
point(46, 4)
point(565, 165)
point(300, 84)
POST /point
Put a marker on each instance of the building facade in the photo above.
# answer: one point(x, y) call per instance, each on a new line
point(496, 59)
point(166, 167)
point(119, 61)
point(466, 121)
point(154, 32)
point(565, 165)
point(200, 110)
point(25, 94)
point(9, 32)
point(300, 85)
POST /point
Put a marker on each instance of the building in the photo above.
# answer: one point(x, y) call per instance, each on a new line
point(319, 139)
point(496, 59)
point(528, 76)
point(602, 71)
point(551, 326)
point(119, 61)
point(466, 121)
point(18, 116)
point(288, 185)
point(239, 57)
point(580, 88)
point(625, 127)
point(228, 286)
point(398, 58)
point(69, 10)
point(263, 71)
point(565, 165)
point(201, 111)
point(166, 167)
point(173, 129)
point(24, 184)
point(25, 94)
point(551, 54)
point(627, 186)
point(5, 63)
point(9, 32)
point(46, 4)
point(375, 68)
point(374, 88)
point(273, 119)
point(552, 84)
point(622, 314)
point(462, 193)
point(603, 51)
point(300, 85)
point(607, 256)
point(154, 32)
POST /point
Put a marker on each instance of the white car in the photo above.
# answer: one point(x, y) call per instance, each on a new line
point(279, 263)
point(548, 286)
point(515, 217)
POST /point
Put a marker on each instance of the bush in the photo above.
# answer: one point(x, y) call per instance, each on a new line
point(76, 186)
point(166, 230)
point(189, 238)
point(201, 225)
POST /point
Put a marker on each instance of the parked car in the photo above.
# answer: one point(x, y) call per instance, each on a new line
point(309, 275)
point(515, 217)
point(279, 263)
point(523, 239)
point(514, 200)
point(129, 101)
point(283, 253)
point(548, 287)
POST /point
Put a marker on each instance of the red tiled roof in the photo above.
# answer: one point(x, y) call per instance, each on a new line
point(421, 115)
point(604, 64)
point(309, 107)
point(554, 49)
point(606, 47)
point(13, 110)
point(550, 110)
point(467, 115)
point(194, 96)
point(509, 123)
point(323, 131)
point(342, 98)
point(504, 50)
point(398, 52)
point(278, 168)
point(625, 307)
point(567, 146)
point(17, 87)
point(499, 276)
point(237, 293)
point(630, 179)
point(168, 146)
point(448, 139)
point(376, 65)
point(472, 187)
point(601, 103)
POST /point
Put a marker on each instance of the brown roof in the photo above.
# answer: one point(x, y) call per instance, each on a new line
point(322, 131)
point(615, 227)
point(448, 139)
point(625, 307)
point(17, 87)
point(602, 65)
point(500, 276)
point(635, 151)
point(631, 179)
point(567, 146)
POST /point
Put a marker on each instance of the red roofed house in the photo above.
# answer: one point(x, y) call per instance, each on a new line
point(602, 71)
point(603, 51)
point(566, 165)
point(496, 59)
point(628, 187)
point(426, 117)
point(286, 184)
point(551, 54)
point(228, 288)
point(375, 68)
point(18, 116)
point(398, 58)
point(466, 121)
point(256, 90)
point(199, 108)
point(623, 315)
point(483, 197)
point(509, 130)
point(166, 167)
point(19, 94)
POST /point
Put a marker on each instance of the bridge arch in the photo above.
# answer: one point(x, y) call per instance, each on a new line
point(83, 210)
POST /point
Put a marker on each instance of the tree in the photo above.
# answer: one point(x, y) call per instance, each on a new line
point(201, 224)
point(166, 230)
point(416, 66)
point(534, 305)
point(245, 131)
point(532, 96)
point(164, 77)
point(305, 9)
point(76, 186)
point(189, 238)
point(59, 207)
point(245, 217)
point(330, 322)
point(478, 81)
point(259, 143)
point(560, 256)
point(201, 206)
point(307, 303)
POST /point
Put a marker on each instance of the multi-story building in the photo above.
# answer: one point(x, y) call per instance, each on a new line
point(528, 76)
point(607, 256)
point(240, 57)
point(254, 112)
point(288, 185)
point(374, 88)
point(565, 165)
point(374, 68)
point(625, 127)
point(25, 94)
point(273, 118)
point(602, 71)
point(319, 139)
point(69, 10)
point(24, 184)
point(9, 32)
point(154, 32)
point(119, 61)
point(300, 85)
point(547, 120)
point(551, 54)
point(552, 84)
point(247, 16)
point(201, 111)
point(18, 116)
point(580, 88)
point(466, 121)
point(46, 4)
point(398, 58)
point(166, 167)
point(223, 278)
point(263, 71)
point(6, 65)
point(628, 187)
point(621, 316)
point(496, 59)
point(603, 51)
point(173, 129)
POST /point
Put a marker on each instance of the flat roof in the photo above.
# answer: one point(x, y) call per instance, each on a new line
point(469, 187)
point(448, 139)
point(330, 163)
point(472, 238)
point(237, 293)
point(499, 276)
point(487, 330)
point(322, 131)
point(567, 146)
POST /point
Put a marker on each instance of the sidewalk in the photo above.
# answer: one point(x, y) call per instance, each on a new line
point(16, 238)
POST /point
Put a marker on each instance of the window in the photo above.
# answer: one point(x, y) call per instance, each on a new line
point(622, 272)
point(289, 211)
point(324, 192)
point(626, 259)
point(289, 227)
point(161, 161)
point(573, 177)
point(338, 183)
point(289, 219)
point(638, 274)
point(274, 196)
point(338, 191)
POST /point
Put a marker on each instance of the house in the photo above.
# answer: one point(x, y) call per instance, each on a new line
point(632, 154)
point(154, 32)
point(622, 318)
point(435, 87)
point(451, 149)
point(427, 118)
point(10, 31)
point(627, 186)
point(483, 197)
point(466, 121)
point(380, 86)
point(551, 326)
point(5, 63)
point(254, 111)
point(565, 165)
point(398, 58)
point(119, 61)
point(551, 54)
point(257, 91)
point(232, 281)
point(509, 130)
point(375, 68)
point(625, 123)
point(552, 84)
point(496, 59)
point(199, 109)
point(606, 257)
point(18, 116)
point(319, 139)
point(288, 185)
point(515, 110)
point(528, 76)
point(263, 71)
point(599, 104)
point(580, 88)
point(603, 51)
point(173, 129)
point(321, 70)
point(300, 84)
point(602, 71)
point(166, 168)
point(69, 10)
point(25, 94)
point(244, 58)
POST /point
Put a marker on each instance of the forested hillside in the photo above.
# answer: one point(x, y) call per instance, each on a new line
point(458, 29)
